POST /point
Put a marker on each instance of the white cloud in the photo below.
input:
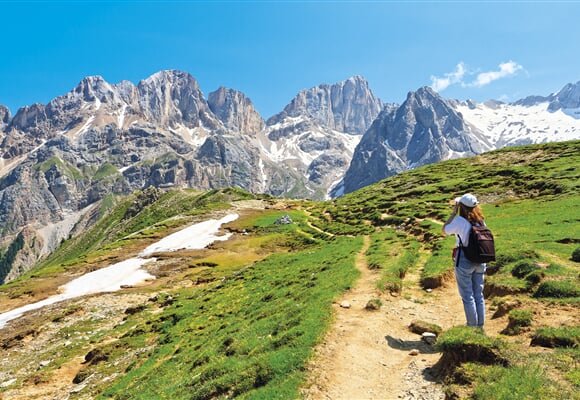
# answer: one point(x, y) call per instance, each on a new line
point(461, 72)
point(505, 69)
point(439, 84)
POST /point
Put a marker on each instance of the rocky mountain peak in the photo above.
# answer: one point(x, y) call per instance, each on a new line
point(567, 98)
point(427, 112)
point(170, 81)
point(173, 97)
point(423, 130)
point(235, 110)
point(531, 101)
point(4, 117)
point(96, 92)
point(30, 118)
point(348, 106)
point(358, 79)
point(93, 87)
point(424, 96)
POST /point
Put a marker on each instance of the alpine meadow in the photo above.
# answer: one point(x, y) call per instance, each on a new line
point(245, 317)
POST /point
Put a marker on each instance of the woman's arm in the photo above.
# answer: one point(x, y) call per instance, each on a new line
point(453, 214)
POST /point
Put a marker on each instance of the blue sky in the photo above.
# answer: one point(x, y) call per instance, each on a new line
point(270, 50)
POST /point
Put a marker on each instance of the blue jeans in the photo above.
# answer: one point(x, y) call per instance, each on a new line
point(470, 278)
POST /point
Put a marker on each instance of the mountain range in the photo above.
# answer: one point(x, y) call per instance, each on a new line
point(60, 160)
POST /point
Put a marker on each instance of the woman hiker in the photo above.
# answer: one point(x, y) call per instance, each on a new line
point(469, 275)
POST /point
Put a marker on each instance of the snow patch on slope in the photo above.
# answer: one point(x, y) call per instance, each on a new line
point(195, 237)
point(86, 126)
point(264, 180)
point(129, 272)
point(121, 116)
point(194, 136)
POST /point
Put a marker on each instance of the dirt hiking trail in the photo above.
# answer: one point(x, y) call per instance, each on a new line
point(373, 354)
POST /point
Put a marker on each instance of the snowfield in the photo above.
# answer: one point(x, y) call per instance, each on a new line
point(509, 124)
point(129, 272)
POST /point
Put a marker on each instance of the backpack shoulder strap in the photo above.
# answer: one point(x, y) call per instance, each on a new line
point(459, 236)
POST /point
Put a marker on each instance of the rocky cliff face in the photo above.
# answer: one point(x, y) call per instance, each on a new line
point(4, 117)
point(317, 132)
point(423, 130)
point(173, 98)
point(349, 106)
point(235, 111)
point(29, 250)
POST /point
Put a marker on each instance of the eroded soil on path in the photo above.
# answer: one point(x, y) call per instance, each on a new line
point(373, 354)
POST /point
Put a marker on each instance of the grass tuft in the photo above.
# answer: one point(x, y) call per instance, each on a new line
point(515, 383)
point(557, 337)
point(558, 289)
point(517, 321)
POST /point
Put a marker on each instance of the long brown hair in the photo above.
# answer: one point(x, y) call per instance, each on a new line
point(473, 214)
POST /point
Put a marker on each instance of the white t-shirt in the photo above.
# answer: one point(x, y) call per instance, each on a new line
point(459, 226)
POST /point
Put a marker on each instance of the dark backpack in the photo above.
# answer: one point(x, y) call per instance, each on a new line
point(481, 247)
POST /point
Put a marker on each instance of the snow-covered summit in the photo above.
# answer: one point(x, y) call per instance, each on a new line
point(516, 124)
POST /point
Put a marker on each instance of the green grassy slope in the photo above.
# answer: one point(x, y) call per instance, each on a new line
point(249, 336)
point(530, 197)
point(241, 319)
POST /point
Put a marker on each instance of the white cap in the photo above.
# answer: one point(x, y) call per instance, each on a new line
point(468, 200)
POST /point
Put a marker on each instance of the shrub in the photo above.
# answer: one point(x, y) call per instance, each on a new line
point(373, 304)
point(557, 289)
point(535, 277)
point(523, 268)
point(576, 254)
